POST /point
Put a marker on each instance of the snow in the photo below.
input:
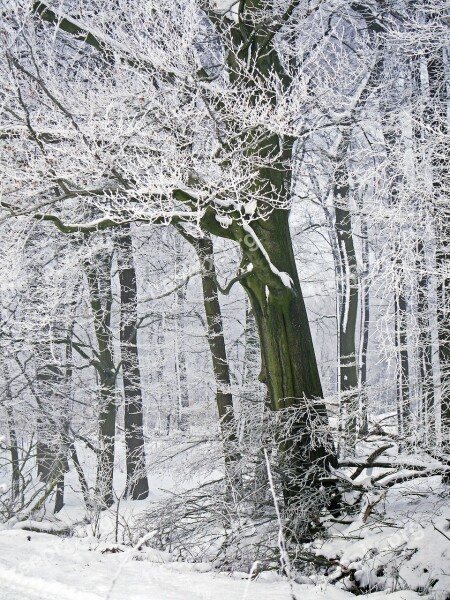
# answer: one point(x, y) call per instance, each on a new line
point(250, 207)
point(228, 7)
point(407, 545)
point(347, 288)
point(39, 566)
point(286, 279)
point(224, 220)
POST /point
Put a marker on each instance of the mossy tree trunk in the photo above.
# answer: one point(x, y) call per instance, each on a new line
point(289, 366)
point(269, 273)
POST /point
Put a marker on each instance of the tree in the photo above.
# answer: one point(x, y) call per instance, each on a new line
point(98, 276)
point(203, 74)
point(137, 483)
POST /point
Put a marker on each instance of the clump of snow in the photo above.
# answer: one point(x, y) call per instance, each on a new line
point(250, 207)
point(224, 220)
point(228, 7)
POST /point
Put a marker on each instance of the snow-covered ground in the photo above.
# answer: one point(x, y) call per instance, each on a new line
point(404, 544)
point(40, 566)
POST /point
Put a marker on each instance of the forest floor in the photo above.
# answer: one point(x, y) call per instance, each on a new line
point(405, 543)
point(41, 566)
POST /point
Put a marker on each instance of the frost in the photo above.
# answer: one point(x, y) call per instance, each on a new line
point(228, 7)
point(250, 207)
point(224, 220)
point(284, 277)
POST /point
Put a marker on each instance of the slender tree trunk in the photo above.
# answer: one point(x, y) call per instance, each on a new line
point(396, 181)
point(51, 445)
point(216, 341)
point(436, 118)
point(159, 376)
point(14, 449)
point(334, 243)
point(349, 298)
point(137, 482)
point(347, 327)
point(66, 442)
point(99, 282)
point(48, 378)
point(365, 321)
point(254, 412)
point(180, 354)
point(81, 476)
point(11, 425)
point(426, 384)
point(403, 400)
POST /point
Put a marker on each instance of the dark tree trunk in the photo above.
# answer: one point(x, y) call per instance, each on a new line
point(216, 341)
point(402, 372)
point(14, 449)
point(347, 322)
point(289, 366)
point(426, 384)
point(99, 282)
point(365, 322)
point(51, 450)
point(48, 379)
point(137, 482)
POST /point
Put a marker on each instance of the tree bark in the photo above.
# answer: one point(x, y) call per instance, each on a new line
point(365, 324)
point(11, 425)
point(289, 366)
point(402, 372)
point(425, 353)
point(180, 354)
point(137, 482)
point(435, 117)
point(216, 341)
point(349, 303)
point(99, 283)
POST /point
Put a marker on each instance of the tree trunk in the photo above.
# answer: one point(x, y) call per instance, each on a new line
point(99, 282)
point(347, 328)
point(364, 337)
point(348, 379)
point(180, 354)
point(403, 400)
point(137, 482)
point(13, 445)
point(216, 341)
point(48, 378)
point(425, 354)
point(436, 118)
point(289, 366)
point(254, 413)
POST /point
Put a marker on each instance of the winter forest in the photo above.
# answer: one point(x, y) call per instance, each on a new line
point(225, 299)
